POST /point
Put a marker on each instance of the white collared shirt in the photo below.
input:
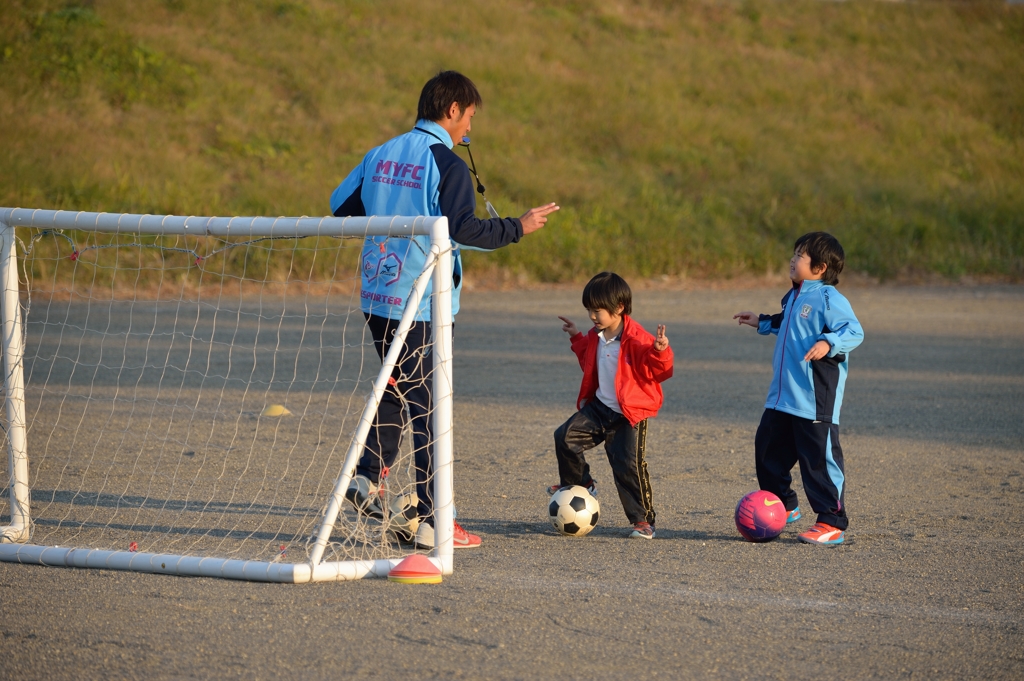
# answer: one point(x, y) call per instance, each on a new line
point(607, 367)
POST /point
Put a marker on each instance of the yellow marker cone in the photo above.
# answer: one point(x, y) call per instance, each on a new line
point(276, 410)
point(415, 569)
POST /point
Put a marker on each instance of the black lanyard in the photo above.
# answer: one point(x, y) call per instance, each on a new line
point(431, 134)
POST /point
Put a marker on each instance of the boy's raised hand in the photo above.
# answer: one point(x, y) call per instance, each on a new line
point(661, 340)
point(569, 326)
point(748, 318)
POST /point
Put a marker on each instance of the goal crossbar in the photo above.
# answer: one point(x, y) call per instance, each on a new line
point(296, 227)
point(14, 546)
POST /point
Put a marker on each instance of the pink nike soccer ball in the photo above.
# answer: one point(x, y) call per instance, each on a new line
point(760, 516)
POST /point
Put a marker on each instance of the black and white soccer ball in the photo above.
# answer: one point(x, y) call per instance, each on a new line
point(574, 511)
point(402, 518)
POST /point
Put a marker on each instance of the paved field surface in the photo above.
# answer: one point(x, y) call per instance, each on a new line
point(928, 585)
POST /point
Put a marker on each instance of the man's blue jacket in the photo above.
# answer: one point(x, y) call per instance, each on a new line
point(415, 174)
point(811, 311)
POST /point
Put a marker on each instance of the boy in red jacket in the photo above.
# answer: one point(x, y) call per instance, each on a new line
point(623, 367)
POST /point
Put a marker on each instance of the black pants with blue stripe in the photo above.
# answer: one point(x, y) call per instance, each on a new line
point(782, 441)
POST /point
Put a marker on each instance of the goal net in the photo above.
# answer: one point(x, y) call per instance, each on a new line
point(191, 395)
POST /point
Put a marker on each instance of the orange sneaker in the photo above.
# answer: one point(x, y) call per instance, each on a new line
point(823, 533)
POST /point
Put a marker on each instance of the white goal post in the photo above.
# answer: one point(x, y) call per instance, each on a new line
point(263, 458)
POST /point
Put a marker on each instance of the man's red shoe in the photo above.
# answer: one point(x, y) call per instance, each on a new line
point(462, 539)
point(465, 540)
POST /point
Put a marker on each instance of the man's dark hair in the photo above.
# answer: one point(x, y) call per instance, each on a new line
point(823, 249)
point(443, 89)
point(606, 291)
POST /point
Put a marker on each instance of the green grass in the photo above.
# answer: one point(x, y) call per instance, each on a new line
point(682, 138)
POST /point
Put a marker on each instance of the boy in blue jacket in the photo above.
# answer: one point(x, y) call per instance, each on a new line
point(816, 330)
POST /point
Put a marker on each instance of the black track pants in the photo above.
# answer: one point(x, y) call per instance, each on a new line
point(410, 385)
point(782, 441)
point(590, 426)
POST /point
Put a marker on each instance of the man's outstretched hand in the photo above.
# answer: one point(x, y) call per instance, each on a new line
point(535, 218)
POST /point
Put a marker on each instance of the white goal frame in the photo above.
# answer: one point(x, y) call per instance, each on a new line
point(14, 538)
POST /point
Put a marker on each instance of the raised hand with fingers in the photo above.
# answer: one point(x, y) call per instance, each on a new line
point(535, 218)
point(660, 340)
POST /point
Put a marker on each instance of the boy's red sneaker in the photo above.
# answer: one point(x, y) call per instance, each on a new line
point(824, 534)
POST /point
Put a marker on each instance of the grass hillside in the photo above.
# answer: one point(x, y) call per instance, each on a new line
point(685, 138)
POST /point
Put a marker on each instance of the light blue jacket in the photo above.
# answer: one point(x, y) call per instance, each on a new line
point(415, 174)
point(811, 311)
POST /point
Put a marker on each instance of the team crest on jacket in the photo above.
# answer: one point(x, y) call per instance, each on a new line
point(805, 311)
point(388, 268)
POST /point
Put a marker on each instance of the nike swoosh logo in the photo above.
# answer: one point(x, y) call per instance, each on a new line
point(460, 541)
point(768, 502)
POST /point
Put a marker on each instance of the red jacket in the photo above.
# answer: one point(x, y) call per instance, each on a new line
point(640, 372)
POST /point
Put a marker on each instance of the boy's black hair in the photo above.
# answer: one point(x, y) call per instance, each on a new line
point(443, 89)
point(606, 291)
point(823, 248)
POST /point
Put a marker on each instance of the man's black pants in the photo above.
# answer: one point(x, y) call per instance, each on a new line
point(590, 426)
point(409, 385)
point(781, 442)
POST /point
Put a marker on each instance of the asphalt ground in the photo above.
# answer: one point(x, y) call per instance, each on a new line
point(929, 583)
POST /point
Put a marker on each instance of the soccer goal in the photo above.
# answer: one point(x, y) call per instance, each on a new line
point(190, 395)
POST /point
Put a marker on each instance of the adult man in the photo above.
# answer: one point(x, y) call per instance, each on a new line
point(417, 174)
